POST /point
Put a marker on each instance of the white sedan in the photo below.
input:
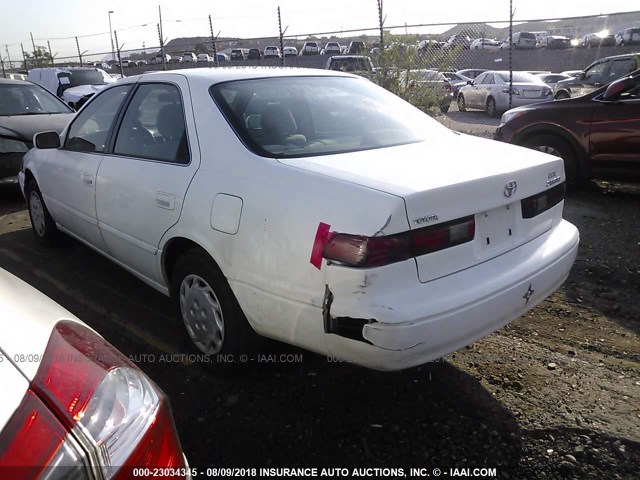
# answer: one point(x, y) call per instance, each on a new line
point(489, 91)
point(309, 206)
point(72, 401)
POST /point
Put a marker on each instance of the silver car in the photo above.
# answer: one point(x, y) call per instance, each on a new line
point(489, 91)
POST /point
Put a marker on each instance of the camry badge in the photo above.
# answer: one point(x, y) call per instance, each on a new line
point(529, 293)
point(510, 189)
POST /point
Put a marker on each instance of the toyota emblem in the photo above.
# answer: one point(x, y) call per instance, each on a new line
point(510, 188)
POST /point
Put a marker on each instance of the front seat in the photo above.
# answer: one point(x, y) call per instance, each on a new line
point(279, 126)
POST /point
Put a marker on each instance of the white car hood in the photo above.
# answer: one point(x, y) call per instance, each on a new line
point(446, 159)
point(74, 94)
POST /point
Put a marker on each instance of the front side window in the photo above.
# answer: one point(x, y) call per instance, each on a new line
point(595, 73)
point(153, 126)
point(305, 116)
point(90, 130)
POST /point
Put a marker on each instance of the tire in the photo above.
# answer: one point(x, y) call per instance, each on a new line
point(562, 95)
point(42, 224)
point(556, 145)
point(490, 107)
point(461, 104)
point(207, 309)
point(445, 108)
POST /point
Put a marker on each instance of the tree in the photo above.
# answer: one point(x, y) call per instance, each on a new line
point(38, 58)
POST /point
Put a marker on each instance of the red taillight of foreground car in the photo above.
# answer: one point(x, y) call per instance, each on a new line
point(362, 251)
point(541, 202)
point(104, 402)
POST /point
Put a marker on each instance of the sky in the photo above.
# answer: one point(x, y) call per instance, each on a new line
point(135, 21)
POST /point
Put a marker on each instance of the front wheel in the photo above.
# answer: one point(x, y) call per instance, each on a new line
point(562, 95)
point(461, 104)
point(559, 147)
point(207, 308)
point(490, 108)
point(42, 224)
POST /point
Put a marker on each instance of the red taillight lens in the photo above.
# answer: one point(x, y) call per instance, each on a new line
point(541, 202)
point(362, 251)
point(102, 398)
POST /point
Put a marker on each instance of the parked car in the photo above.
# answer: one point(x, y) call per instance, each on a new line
point(72, 405)
point(596, 40)
point(350, 63)
point(428, 45)
point(435, 83)
point(471, 72)
point(489, 91)
point(25, 109)
point(332, 48)
point(596, 134)
point(556, 42)
point(254, 54)
point(457, 81)
point(521, 41)
point(189, 57)
point(73, 85)
point(238, 54)
point(290, 52)
point(428, 237)
point(628, 36)
point(271, 52)
point(571, 73)
point(356, 47)
point(204, 58)
point(552, 79)
point(458, 40)
point(599, 73)
point(485, 44)
point(310, 48)
point(222, 57)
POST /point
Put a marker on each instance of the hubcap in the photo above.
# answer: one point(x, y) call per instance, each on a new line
point(202, 314)
point(37, 213)
point(549, 150)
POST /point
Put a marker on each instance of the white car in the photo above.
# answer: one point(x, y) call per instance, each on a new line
point(189, 57)
point(485, 44)
point(271, 52)
point(73, 85)
point(70, 400)
point(489, 91)
point(204, 58)
point(309, 206)
point(290, 51)
point(310, 48)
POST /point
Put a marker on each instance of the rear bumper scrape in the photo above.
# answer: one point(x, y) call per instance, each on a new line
point(347, 327)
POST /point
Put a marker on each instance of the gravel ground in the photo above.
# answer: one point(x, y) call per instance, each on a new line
point(554, 395)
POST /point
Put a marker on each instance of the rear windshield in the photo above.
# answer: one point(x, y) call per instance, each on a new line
point(527, 35)
point(521, 77)
point(285, 117)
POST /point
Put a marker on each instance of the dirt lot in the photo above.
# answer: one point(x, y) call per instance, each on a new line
point(554, 395)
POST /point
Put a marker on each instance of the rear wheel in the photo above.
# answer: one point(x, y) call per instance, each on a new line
point(559, 147)
point(562, 95)
point(207, 308)
point(490, 107)
point(461, 105)
point(42, 224)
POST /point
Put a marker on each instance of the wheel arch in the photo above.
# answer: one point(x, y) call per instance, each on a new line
point(172, 251)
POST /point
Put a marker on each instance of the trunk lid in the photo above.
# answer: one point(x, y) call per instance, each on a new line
point(451, 177)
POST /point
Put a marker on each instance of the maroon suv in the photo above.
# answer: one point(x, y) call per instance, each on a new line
point(597, 135)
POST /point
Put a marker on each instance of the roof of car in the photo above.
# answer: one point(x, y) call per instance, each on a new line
point(11, 81)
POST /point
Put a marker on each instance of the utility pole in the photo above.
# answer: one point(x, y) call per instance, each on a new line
point(33, 44)
point(4, 74)
point(50, 55)
point(281, 36)
point(213, 43)
point(381, 22)
point(24, 57)
point(115, 34)
point(510, 53)
point(79, 54)
point(6, 47)
point(113, 55)
point(164, 57)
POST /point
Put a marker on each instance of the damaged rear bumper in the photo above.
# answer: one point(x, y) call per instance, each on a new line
point(404, 327)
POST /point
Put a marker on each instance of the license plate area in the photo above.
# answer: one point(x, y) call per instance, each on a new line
point(531, 93)
point(496, 229)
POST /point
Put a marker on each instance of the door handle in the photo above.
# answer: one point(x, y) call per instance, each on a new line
point(165, 200)
point(87, 178)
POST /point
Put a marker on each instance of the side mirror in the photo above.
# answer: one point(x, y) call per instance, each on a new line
point(617, 88)
point(45, 140)
point(469, 82)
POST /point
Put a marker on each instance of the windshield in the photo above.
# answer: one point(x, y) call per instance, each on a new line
point(73, 78)
point(28, 99)
point(307, 116)
point(521, 77)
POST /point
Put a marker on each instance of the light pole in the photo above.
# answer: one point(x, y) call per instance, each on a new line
point(113, 55)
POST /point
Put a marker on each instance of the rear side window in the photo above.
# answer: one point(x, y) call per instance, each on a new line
point(153, 126)
point(90, 130)
point(621, 67)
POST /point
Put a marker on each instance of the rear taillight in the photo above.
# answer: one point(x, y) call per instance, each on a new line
point(514, 90)
point(541, 202)
point(362, 251)
point(103, 402)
